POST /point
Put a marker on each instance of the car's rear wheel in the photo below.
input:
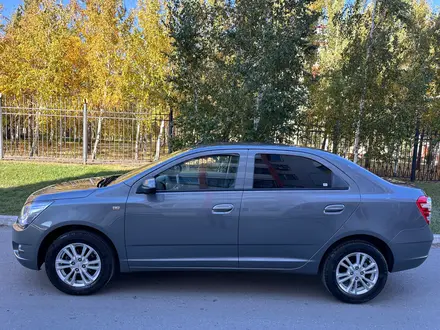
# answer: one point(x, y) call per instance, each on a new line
point(79, 263)
point(355, 272)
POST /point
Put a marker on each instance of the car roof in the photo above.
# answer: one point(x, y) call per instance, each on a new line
point(253, 145)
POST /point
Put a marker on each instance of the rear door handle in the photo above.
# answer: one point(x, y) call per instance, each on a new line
point(334, 209)
point(222, 208)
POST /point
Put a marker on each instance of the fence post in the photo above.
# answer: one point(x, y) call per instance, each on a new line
point(414, 157)
point(1, 128)
point(170, 131)
point(85, 133)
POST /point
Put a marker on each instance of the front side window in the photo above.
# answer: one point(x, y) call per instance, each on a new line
point(203, 173)
point(294, 172)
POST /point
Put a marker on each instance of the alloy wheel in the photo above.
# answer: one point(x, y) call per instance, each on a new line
point(78, 265)
point(357, 273)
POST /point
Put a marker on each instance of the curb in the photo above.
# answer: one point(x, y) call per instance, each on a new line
point(8, 220)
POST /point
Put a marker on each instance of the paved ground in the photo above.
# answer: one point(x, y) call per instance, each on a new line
point(175, 300)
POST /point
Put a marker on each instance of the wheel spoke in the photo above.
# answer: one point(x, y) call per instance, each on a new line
point(83, 251)
point(88, 253)
point(70, 255)
point(63, 267)
point(346, 262)
point(364, 285)
point(350, 287)
point(93, 267)
point(342, 274)
point(368, 280)
point(372, 271)
point(62, 262)
point(358, 258)
point(83, 277)
point(66, 279)
point(89, 277)
point(364, 257)
point(370, 266)
point(94, 262)
point(344, 279)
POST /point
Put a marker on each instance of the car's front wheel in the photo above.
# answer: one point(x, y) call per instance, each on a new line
point(79, 263)
point(355, 272)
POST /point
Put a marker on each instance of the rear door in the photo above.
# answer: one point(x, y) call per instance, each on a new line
point(292, 205)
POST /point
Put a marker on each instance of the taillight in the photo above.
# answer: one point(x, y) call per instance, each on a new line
point(424, 204)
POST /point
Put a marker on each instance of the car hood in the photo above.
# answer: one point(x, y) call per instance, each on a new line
point(66, 190)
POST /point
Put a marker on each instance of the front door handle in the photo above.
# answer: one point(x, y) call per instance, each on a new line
point(334, 209)
point(222, 209)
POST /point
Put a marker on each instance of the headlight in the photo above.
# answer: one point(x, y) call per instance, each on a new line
point(30, 211)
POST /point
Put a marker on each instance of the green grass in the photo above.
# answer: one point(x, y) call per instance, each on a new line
point(19, 179)
point(432, 189)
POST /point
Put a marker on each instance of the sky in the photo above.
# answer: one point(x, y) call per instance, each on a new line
point(11, 5)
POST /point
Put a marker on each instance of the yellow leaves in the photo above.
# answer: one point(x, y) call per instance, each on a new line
point(91, 49)
point(147, 48)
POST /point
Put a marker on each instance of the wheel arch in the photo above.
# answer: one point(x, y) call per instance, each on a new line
point(381, 245)
point(57, 232)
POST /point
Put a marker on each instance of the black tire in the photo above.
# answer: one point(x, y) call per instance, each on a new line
point(332, 261)
point(98, 244)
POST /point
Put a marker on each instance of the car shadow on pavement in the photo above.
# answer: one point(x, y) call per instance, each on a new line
point(217, 283)
point(213, 284)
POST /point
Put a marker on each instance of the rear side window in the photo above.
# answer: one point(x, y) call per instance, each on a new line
point(275, 171)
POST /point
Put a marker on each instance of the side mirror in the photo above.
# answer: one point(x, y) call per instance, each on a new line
point(147, 187)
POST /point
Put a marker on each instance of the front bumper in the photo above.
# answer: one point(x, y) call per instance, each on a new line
point(411, 247)
point(25, 244)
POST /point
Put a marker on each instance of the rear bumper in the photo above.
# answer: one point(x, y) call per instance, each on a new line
point(410, 248)
point(25, 245)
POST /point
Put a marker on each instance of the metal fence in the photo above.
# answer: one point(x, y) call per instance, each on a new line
point(416, 157)
point(72, 131)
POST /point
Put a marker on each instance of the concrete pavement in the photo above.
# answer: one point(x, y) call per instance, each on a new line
point(210, 300)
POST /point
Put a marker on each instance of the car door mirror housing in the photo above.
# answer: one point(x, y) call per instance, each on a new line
point(147, 187)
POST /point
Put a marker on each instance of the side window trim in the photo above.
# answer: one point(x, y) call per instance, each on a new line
point(249, 179)
point(240, 177)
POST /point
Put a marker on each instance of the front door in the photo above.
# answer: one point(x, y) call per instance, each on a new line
point(292, 205)
point(192, 219)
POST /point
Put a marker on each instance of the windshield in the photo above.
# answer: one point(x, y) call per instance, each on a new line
point(145, 167)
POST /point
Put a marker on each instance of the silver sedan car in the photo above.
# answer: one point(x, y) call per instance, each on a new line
point(229, 207)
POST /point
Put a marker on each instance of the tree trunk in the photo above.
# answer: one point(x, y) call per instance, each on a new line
point(415, 146)
point(430, 155)
point(98, 134)
point(51, 134)
point(369, 151)
point(256, 119)
point(419, 155)
point(30, 133)
point(170, 132)
point(136, 146)
point(324, 142)
point(34, 147)
point(364, 88)
point(162, 125)
point(336, 138)
point(396, 162)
